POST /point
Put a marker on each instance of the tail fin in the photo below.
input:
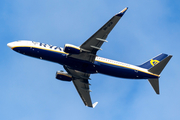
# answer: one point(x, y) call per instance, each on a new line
point(157, 69)
point(152, 62)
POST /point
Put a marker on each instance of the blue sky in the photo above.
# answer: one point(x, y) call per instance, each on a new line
point(29, 90)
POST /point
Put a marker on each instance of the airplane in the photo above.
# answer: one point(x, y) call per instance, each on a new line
point(80, 62)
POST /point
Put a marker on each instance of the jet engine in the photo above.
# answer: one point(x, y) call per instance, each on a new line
point(68, 48)
point(63, 76)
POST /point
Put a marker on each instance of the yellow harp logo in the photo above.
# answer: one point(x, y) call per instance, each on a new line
point(154, 62)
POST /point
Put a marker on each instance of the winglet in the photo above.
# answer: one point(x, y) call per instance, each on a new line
point(120, 14)
point(94, 105)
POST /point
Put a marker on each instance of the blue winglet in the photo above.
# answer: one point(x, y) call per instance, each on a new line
point(120, 14)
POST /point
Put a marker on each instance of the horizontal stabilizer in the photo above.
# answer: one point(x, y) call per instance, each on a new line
point(155, 84)
point(157, 69)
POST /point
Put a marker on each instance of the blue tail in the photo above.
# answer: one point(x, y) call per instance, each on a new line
point(156, 65)
point(153, 61)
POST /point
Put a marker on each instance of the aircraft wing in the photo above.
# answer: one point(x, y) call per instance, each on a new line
point(94, 43)
point(90, 47)
point(81, 83)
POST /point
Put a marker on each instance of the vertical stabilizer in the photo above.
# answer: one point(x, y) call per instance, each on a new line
point(154, 61)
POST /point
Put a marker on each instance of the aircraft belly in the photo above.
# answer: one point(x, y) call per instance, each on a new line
point(84, 66)
point(81, 65)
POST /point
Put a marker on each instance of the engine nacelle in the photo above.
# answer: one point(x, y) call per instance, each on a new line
point(68, 48)
point(63, 76)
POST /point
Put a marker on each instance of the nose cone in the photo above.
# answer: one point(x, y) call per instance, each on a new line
point(10, 45)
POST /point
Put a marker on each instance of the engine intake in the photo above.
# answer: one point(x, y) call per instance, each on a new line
point(63, 76)
point(68, 48)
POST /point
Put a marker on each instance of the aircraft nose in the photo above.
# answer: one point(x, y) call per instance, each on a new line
point(10, 44)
